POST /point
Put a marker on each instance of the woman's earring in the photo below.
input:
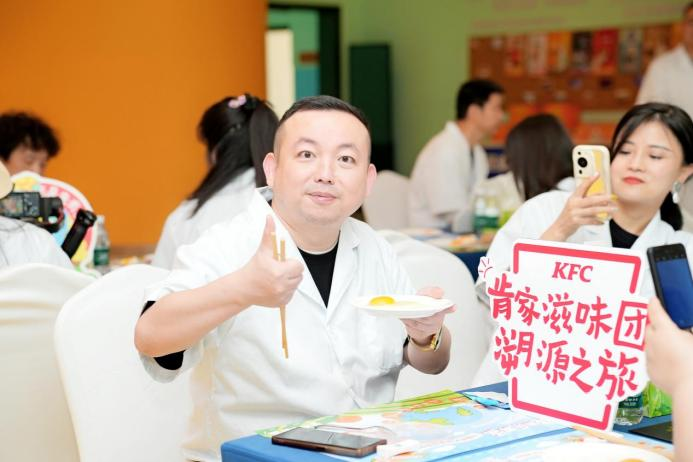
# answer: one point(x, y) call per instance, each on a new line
point(676, 192)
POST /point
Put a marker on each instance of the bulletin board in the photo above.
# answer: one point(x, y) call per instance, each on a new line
point(567, 72)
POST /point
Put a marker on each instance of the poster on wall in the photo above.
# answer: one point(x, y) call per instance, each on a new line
point(655, 42)
point(604, 51)
point(514, 59)
point(582, 51)
point(537, 54)
point(559, 51)
point(630, 50)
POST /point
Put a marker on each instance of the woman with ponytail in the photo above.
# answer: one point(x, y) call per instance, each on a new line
point(238, 132)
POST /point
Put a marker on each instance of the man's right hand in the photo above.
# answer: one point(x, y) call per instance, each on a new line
point(266, 281)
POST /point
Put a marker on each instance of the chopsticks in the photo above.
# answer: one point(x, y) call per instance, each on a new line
point(618, 440)
point(280, 255)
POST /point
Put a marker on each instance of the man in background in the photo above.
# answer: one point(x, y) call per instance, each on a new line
point(453, 162)
point(669, 78)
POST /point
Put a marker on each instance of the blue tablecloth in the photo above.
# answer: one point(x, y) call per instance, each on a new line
point(471, 260)
point(258, 448)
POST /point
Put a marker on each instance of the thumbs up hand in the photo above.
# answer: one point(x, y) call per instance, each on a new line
point(266, 281)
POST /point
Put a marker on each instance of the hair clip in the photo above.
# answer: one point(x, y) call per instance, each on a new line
point(235, 103)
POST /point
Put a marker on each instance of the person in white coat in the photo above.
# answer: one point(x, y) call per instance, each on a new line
point(651, 146)
point(669, 77)
point(212, 311)
point(238, 132)
point(21, 242)
point(453, 162)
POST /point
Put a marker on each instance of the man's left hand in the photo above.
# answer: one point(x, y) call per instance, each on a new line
point(421, 330)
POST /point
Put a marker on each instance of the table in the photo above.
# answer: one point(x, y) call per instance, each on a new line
point(258, 448)
point(441, 238)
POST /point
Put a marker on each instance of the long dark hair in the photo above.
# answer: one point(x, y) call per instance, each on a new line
point(678, 122)
point(538, 151)
point(238, 133)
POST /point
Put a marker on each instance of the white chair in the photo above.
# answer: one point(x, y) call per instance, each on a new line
point(119, 412)
point(387, 205)
point(35, 423)
point(469, 326)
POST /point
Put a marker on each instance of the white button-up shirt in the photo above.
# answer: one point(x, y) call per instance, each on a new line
point(443, 180)
point(339, 357)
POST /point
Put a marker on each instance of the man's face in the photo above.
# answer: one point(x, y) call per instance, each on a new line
point(688, 30)
point(321, 171)
point(490, 115)
point(24, 158)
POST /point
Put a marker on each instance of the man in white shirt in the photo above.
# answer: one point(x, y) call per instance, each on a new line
point(452, 162)
point(669, 78)
point(211, 311)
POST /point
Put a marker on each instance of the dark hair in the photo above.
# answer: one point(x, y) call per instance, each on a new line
point(538, 151)
point(238, 133)
point(678, 122)
point(687, 8)
point(475, 92)
point(21, 129)
point(324, 103)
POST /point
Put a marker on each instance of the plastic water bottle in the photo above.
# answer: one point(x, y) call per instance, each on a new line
point(630, 411)
point(102, 249)
point(486, 213)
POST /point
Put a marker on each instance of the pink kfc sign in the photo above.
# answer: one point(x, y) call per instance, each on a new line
point(571, 329)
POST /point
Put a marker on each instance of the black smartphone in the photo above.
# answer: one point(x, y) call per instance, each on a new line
point(673, 283)
point(335, 443)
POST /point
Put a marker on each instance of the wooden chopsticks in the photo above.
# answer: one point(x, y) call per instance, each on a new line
point(280, 255)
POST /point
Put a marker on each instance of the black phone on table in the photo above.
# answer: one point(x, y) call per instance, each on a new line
point(333, 442)
point(671, 275)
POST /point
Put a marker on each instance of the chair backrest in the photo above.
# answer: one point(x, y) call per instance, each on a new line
point(469, 325)
point(387, 205)
point(119, 412)
point(34, 419)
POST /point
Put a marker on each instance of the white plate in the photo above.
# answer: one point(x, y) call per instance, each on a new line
point(602, 452)
point(405, 307)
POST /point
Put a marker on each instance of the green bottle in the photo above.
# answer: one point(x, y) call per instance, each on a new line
point(630, 411)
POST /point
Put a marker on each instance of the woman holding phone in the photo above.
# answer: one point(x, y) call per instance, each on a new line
point(651, 146)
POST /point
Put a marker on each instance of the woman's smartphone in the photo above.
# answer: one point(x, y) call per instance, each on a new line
point(335, 443)
point(673, 283)
point(588, 160)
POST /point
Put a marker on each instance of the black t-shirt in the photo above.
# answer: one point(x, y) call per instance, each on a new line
point(620, 238)
point(321, 267)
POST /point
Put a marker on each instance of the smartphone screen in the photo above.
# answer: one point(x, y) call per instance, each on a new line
point(339, 443)
point(672, 277)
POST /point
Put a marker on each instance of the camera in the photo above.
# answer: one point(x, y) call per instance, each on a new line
point(582, 162)
point(29, 206)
